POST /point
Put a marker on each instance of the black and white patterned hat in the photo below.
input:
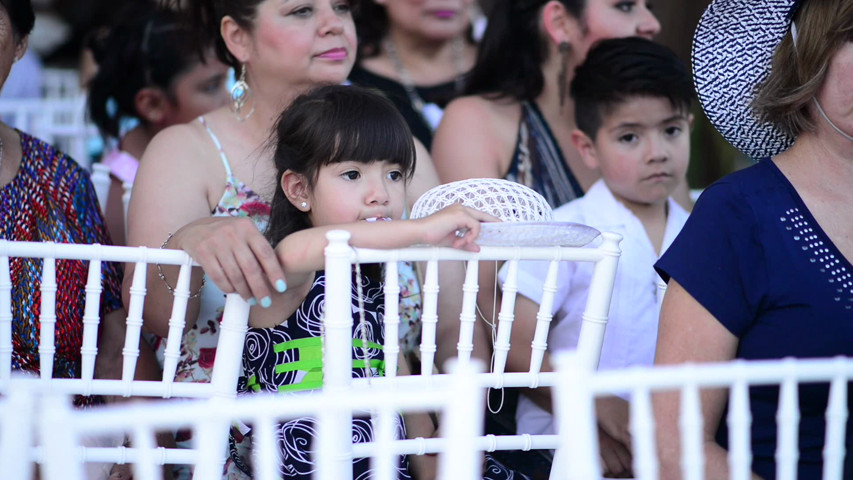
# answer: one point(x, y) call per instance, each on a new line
point(732, 48)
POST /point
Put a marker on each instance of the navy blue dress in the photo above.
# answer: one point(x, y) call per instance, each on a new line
point(752, 254)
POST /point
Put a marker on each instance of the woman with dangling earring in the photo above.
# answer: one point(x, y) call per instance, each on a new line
point(417, 54)
point(205, 186)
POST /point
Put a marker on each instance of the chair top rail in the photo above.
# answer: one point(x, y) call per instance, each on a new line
point(443, 381)
point(107, 253)
point(485, 443)
point(423, 254)
point(721, 374)
point(130, 388)
point(168, 413)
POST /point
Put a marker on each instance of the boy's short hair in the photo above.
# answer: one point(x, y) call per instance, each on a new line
point(618, 69)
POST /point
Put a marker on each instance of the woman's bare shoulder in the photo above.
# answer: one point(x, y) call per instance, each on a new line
point(476, 137)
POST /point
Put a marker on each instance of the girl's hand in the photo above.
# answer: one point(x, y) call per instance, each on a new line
point(457, 226)
point(234, 254)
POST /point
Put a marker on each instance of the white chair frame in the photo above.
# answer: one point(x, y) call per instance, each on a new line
point(575, 411)
point(340, 258)
point(230, 347)
point(460, 405)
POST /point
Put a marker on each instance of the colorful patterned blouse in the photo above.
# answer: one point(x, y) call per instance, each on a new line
point(52, 199)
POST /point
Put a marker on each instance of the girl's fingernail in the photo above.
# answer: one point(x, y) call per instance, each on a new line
point(252, 302)
point(266, 302)
point(280, 286)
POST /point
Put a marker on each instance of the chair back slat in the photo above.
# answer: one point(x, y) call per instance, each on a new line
point(468, 316)
point(177, 322)
point(429, 316)
point(91, 321)
point(836, 420)
point(392, 320)
point(5, 317)
point(788, 419)
point(506, 317)
point(100, 178)
point(597, 311)
point(543, 319)
point(47, 318)
point(739, 423)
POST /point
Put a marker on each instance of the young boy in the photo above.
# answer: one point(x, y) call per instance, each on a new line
point(632, 100)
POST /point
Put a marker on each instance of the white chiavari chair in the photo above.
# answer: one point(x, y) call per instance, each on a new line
point(227, 363)
point(577, 388)
point(340, 258)
point(459, 459)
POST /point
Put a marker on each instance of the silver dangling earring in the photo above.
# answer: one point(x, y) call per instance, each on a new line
point(241, 95)
point(562, 76)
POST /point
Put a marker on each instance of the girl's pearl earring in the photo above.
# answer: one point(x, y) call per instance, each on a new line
point(304, 205)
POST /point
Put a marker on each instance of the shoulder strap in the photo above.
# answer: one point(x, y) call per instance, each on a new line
point(218, 146)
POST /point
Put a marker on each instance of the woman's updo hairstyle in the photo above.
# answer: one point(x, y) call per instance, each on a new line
point(513, 49)
point(146, 47)
point(206, 16)
point(21, 15)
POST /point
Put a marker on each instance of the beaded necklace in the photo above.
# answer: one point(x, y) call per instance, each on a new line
point(430, 112)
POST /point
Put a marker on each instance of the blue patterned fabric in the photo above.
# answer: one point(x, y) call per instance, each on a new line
point(752, 254)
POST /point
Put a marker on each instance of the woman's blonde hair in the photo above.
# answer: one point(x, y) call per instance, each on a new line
point(798, 70)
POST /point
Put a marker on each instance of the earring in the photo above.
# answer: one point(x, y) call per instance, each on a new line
point(241, 95)
point(562, 76)
point(304, 205)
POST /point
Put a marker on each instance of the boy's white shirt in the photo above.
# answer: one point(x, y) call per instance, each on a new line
point(632, 327)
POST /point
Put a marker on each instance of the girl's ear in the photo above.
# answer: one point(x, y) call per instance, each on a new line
point(586, 147)
point(236, 38)
point(152, 105)
point(558, 24)
point(296, 189)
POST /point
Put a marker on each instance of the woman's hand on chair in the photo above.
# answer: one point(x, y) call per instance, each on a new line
point(233, 254)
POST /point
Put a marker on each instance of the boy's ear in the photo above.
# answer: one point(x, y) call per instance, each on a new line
point(21, 47)
point(152, 105)
point(559, 24)
point(237, 40)
point(295, 188)
point(586, 147)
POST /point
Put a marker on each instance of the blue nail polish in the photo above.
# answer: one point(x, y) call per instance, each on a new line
point(280, 286)
point(252, 302)
point(266, 302)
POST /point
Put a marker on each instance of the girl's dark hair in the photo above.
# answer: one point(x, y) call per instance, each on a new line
point(328, 125)
point(146, 47)
point(513, 49)
point(621, 69)
point(21, 15)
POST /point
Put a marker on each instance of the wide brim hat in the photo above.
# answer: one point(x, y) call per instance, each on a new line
point(526, 217)
point(732, 49)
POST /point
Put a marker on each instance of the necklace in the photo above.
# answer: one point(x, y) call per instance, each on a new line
point(430, 112)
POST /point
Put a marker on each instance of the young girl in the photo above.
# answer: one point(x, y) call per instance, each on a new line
point(149, 73)
point(343, 156)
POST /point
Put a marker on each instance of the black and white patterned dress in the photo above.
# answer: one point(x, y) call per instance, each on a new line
point(287, 359)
